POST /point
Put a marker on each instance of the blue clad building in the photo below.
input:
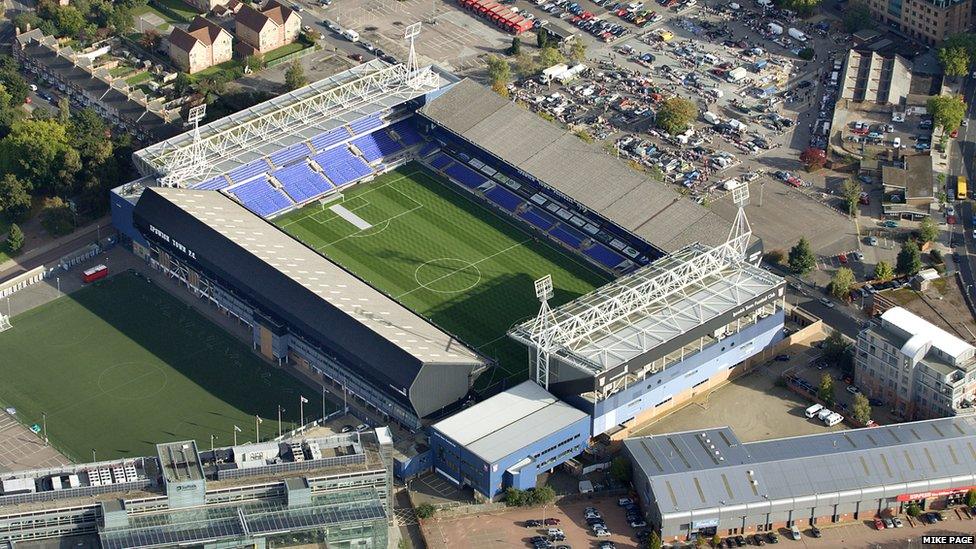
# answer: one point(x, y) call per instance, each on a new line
point(508, 440)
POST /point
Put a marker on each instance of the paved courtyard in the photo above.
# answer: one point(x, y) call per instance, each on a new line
point(21, 449)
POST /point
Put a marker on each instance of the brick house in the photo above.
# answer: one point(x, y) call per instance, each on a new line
point(266, 29)
point(204, 44)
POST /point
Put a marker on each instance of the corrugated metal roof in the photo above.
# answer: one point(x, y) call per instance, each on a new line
point(892, 459)
point(509, 421)
point(918, 326)
point(577, 169)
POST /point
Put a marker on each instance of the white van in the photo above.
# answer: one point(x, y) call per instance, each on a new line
point(350, 35)
point(812, 411)
point(833, 419)
point(794, 533)
point(824, 413)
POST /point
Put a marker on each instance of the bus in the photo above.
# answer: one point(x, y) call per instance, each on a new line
point(961, 187)
point(95, 273)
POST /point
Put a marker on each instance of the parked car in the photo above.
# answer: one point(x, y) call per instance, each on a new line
point(852, 389)
point(772, 538)
point(782, 358)
point(872, 241)
point(757, 539)
point(897, 522)
point(878, 525)
point(815, 532)
point(624, 501)
point(638, 523)
point(888, 522)
point(826, 302)
point(532, 523)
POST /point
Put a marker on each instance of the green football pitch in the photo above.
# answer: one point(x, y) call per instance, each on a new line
point(467, 269)
point(121, 365)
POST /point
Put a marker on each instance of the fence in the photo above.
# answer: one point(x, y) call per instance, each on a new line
point(284, 59)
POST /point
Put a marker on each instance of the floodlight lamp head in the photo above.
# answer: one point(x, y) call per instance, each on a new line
point(740, 195)
point(543, 288)
point(196, 114)
point(412, 31)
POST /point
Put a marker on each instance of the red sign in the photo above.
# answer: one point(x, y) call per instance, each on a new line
point(934, 494)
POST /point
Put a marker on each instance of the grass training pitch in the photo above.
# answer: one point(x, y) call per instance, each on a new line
point(121, 366)
point(439, 253)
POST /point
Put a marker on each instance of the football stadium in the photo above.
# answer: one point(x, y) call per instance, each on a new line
point(390, 232)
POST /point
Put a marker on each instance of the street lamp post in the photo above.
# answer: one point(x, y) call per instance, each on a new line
point(93, 456)
point(44, 426)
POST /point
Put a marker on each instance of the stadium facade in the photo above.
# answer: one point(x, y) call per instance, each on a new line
point(307, 146)
point(333, 490)
point(508, 440)
point(698, 483)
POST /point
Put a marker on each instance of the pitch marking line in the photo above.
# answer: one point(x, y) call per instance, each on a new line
point(378, 185)
point(454, 272)
point(383, 224)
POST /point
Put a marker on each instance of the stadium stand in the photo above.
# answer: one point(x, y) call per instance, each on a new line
point(376, 145)
point(365, 124)
point(538, 219)
point(341, 166)
point(440, 161)
point(329, 138)
point(286, 155)
point(261, 198)
point(603, 255)
point(213, 184)
point(248, 171)
point(427, 149)
point(408, 136)
point(301, 182)
point(504, 198)
point(465, 176)
point(567, 236)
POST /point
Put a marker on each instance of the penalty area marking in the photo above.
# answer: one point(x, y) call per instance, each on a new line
point(349, 216)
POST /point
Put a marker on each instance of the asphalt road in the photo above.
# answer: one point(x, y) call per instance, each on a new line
point(961, 163)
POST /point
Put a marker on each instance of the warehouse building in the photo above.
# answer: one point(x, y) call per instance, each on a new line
point(508, 440)
point(333, 490)
point(915, 367)
point(706, 482)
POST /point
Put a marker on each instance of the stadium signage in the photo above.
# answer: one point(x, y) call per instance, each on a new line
point(755, 304)
point(934, 493)
point(172, 241)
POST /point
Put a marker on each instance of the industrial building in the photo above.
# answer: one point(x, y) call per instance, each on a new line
point(698, 483)
point(333, 490)
point(649, 341)
point(928, 21)
point(918, 369)
point(508, 440)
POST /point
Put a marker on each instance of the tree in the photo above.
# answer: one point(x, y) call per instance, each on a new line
point(182, 84)
point(842, 282)
point(716, 540)
point(909, 259)
point(57, 218)
point(883, 271)
point(15, 238)
point(91, 137)
point(39, 151)
point(675, 114)
point(928, 231)
point(971, 498)
point(947, 111)
point(295, 76)
point(804, 8)
point(425, 511)
point(801, 258)
point(525, 65)
point(149, 39)
point(654, 541)
point(851, 192)
point(620, 469)
point(550, 56)
point(542, 38)
point(577, 51)
point(839, 351)
point(775, 257)
point(861, 409)
point(12, 81)
point(913, 510)
point(64, 110)
point(15, 200)
point(826, 390)
point(514, 497)
point(541, 495)
point(516, 46)
point(254, 62)
point(857, 17)
point(499, 72)
point(813, 158)
point(807, 54)
point(955, 61)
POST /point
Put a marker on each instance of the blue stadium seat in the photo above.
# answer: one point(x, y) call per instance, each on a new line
point(504, 198)
point(213, 184)
point(408, 136)
point(366, 124)
point(440, 160)
point(569, 236)
point(465, 176)
point(329, 138)
point(301, 182)
point(341, 166)
point(603, 255)
point(427, 149)
point(247, 171)
point(286, 155)
point(537, 218)
point(376, 145)
point(261, 198)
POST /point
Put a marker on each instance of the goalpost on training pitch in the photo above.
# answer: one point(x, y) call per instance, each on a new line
point(5, 322)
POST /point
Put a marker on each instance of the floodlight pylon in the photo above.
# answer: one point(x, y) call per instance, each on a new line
point(741, 231)
point(194, 155)
point(410, 34)
point(545, 319)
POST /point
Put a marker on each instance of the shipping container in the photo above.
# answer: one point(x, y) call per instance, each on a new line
point(95, 273)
